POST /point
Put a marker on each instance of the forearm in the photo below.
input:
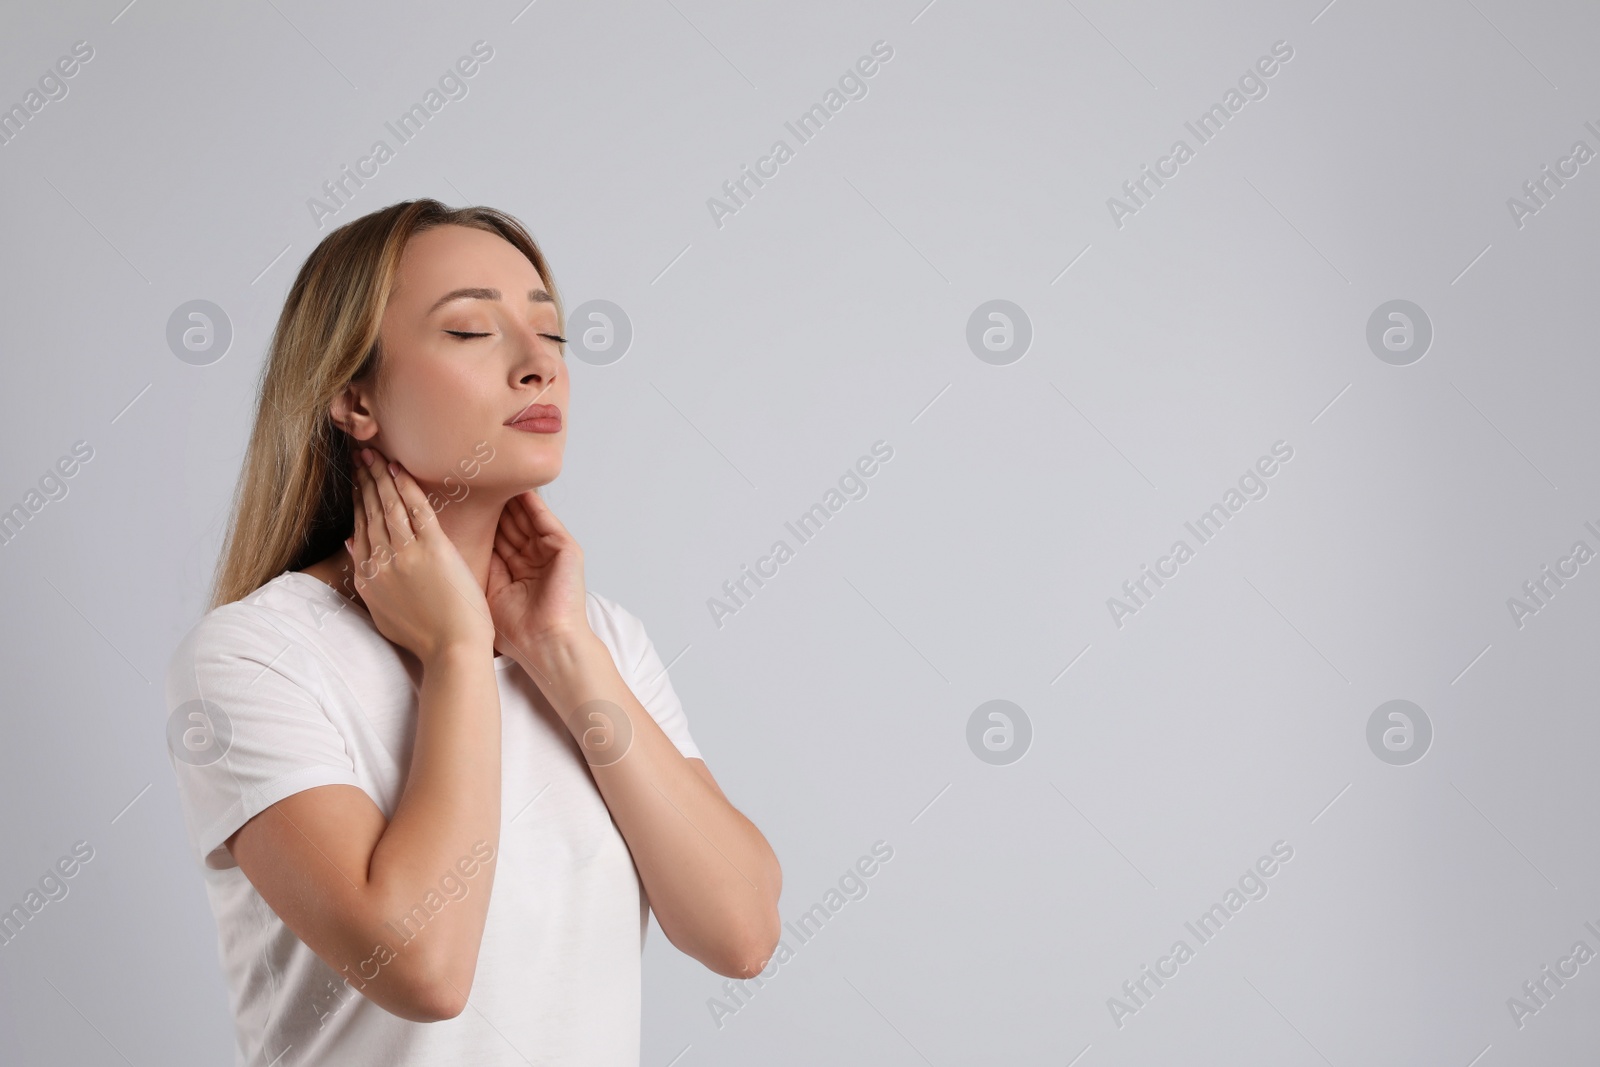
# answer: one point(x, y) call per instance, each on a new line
point(712, 879)
point(445, 825)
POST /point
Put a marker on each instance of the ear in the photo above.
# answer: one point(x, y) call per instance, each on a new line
point(352, 412)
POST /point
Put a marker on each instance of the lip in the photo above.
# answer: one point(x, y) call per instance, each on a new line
point(537, 418)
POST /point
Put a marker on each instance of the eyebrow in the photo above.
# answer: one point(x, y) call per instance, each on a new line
point(537, 296)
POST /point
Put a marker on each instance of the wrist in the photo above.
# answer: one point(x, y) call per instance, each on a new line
point(456, 652)
point(560, 659)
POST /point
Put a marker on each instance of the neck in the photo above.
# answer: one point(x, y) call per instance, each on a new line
point(470, 525)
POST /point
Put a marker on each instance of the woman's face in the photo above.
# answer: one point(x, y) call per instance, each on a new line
point(473, 380)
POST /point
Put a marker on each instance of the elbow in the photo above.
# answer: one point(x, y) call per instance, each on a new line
point(747, 963)
point(747, 954)
point(745, 969)
point(435, 1002)
point(421, 974)
point(418, 1002)
point(436, 990)
point(444, 1008)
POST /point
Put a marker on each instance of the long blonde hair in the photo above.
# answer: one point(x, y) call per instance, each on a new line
point(292, 506)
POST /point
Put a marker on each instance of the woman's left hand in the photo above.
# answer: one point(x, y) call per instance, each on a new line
point(536, 591)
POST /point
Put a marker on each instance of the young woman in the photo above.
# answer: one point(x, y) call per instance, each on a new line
point(437, 784)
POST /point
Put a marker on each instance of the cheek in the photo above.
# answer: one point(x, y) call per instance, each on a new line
point(435, 417)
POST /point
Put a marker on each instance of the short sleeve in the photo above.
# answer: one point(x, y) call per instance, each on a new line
point(246, 725)
point(645, 674)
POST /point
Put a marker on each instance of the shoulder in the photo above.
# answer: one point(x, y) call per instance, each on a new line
point(236, 627)
point(621, 630)
point(641, 667)
point(256, 629)
point(604, 611)
point(610, 620)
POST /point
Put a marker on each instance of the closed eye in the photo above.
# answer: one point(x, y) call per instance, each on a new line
point(463, 335)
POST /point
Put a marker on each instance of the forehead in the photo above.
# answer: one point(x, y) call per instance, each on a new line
point(443, 258)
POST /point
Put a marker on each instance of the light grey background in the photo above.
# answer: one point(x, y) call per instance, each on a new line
point(769, 354)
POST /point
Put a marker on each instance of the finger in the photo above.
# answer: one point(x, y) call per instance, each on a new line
point(372, 504)
point(418, 510)
point(394, 510)
point(515, 560)
point(360, 549)
point(543, 519)
point(360, 545)
point(510, 530)
point(516, 513)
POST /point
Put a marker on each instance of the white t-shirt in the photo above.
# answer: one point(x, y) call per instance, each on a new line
point(311, 694)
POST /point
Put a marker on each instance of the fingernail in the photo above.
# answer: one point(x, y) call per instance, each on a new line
point(393, 469)
point(347, 543)
point(366, 456)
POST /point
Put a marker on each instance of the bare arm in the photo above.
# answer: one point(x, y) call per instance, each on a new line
point(712, 879)
point(352, 885)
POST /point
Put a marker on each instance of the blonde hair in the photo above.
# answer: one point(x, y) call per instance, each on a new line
point(292, 506)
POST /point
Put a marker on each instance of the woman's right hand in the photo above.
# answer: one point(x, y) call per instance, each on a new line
point(419, 591)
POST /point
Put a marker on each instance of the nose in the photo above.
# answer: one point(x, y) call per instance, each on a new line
point(538, 359)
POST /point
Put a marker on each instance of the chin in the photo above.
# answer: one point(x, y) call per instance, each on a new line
point(529, 473)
